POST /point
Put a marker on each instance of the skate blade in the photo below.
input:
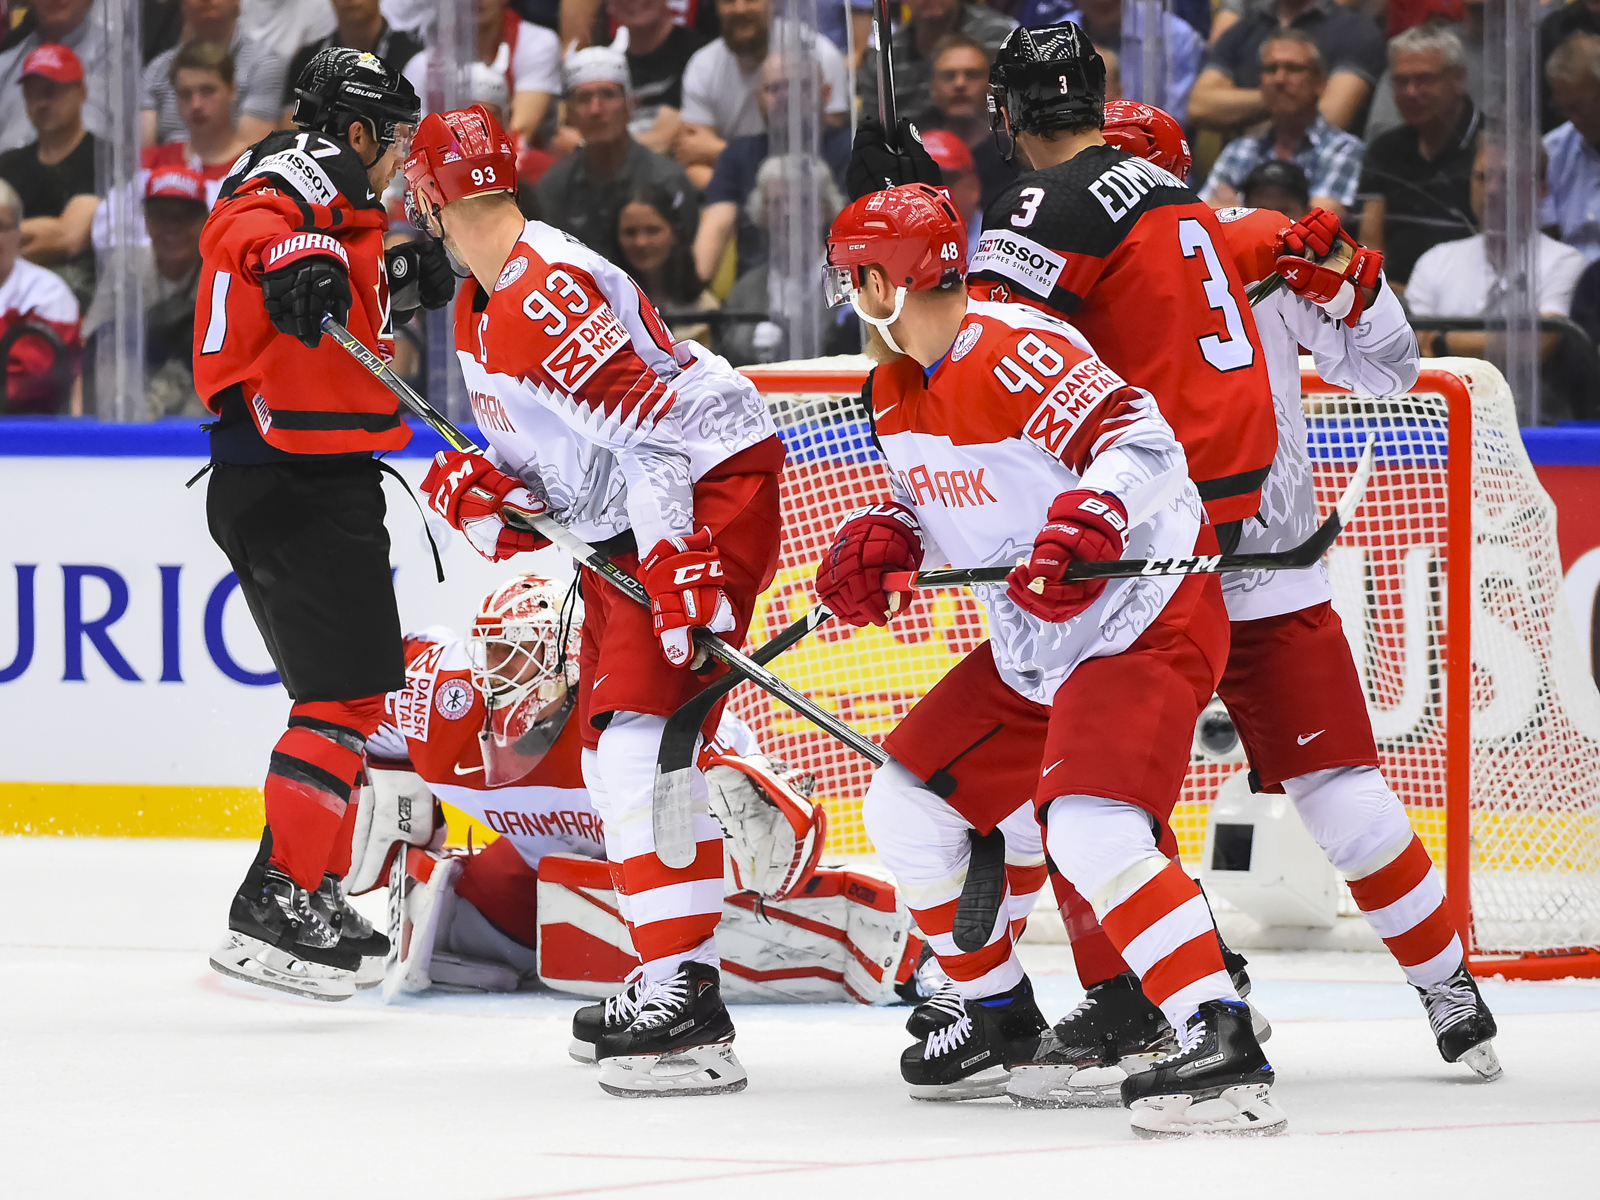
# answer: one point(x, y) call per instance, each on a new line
point(1243, 1111)
point(370, 974)
point(981, 1086)
point(579, 1050)
point(1041, 1085)
point(1485, 1063)
point(695, 1071)
point(253, 961)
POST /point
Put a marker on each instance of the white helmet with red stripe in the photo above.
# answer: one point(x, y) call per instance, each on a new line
point(774, 832)
point(523, 651)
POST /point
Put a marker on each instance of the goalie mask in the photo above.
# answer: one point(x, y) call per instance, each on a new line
point(523, 651)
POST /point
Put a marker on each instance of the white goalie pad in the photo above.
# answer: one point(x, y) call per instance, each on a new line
point(394, 808)
point(438, 940)
point(847, 937)
point(772, 834)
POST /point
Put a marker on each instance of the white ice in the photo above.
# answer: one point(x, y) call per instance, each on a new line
point(129, 1068)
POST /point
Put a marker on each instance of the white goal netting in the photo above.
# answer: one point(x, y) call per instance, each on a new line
point(1516, 738)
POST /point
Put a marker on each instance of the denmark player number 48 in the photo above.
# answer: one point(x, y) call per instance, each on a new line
point(1224, 353)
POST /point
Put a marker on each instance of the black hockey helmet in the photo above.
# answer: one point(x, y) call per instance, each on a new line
point(1046, 78)
point(340, 85)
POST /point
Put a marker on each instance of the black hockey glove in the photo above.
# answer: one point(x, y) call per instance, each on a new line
point(305, 276)
point(419, 277)
point(875, 167)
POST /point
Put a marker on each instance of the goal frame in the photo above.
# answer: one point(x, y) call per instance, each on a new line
point(1549, 964)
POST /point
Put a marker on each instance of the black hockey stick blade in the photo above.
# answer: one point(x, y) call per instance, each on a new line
point(671, 812)
point(1260, 291)
point(981, 895)
point(1306, 554)
point(882, 34)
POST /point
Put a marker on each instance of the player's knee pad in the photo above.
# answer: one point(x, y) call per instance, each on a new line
point(1353, 815)
point(918, 834)
point(626, 762)
point(1105, 848)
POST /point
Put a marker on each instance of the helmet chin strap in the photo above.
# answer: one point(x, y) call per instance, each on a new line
point(881, 324)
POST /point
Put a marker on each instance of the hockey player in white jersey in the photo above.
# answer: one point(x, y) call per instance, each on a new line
point(1290, 684)
point(663, 456)
point(1008, 439)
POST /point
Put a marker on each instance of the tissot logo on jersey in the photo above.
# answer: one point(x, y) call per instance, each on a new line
point(1024, 260)
point(299, 171)
point(596, 339)
point(1121, 187)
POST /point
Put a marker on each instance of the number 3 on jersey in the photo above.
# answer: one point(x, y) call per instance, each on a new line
point(1224, 353)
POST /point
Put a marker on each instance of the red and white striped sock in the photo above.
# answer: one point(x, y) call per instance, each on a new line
point(1403, 901)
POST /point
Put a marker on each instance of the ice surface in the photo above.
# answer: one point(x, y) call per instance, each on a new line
point(131, 1069)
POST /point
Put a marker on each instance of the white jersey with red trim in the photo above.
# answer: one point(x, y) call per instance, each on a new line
point(583, 394)
point(1019, 411)
point(1377, 356)
point(431, 726)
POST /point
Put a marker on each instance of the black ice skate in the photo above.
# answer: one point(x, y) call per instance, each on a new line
point(942, 1008)
point(1218, 1081)
point(971, 1057)
point(355, 931)
point(611, 1015)
point(278, 939)
point(1462, 1023)
point(679, 1043)
point(1114, 1032)
point(1234, 963)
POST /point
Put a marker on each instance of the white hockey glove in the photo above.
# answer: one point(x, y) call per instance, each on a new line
point(394, 808)
point(772, 834)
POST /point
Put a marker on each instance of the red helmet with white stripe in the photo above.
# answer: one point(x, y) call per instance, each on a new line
point(1149, 133)
point(458, 154)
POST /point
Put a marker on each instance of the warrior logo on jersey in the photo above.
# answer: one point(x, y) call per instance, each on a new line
point(1023, 259)
point(453, 699)
point(966, 341)
point(588, 346)
point(512, 273)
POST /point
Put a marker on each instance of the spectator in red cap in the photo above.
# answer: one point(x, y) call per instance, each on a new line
point(68, 23)
point(54, 173)
point(175, 210)
point(961, 178)
point(203, 85)
point(41, 363)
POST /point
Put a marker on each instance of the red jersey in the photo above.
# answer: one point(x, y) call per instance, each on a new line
point(303, 401)
point(1138, 263)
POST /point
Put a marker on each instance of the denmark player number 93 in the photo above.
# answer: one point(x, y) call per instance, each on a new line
point(1224, 353)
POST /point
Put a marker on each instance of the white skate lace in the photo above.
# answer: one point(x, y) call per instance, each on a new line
point(1450, 1003)
point(1083, 1008)
point(1188, 1037)
point(623, 1007)
point(946, 1000)
point(662, 1001)
point(295, 901)
point(951, 1037)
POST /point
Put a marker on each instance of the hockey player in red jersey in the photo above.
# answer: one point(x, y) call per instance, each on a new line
point(1290, 685)
point(1002, 432)
point(488, 725)
point(665, 457)
point(294, 498)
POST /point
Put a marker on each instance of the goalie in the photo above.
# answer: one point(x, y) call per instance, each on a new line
point(487, 725)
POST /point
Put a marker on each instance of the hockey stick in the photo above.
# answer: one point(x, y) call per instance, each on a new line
point(1260, 291)
point(1306, 554)
point(548, 527)
point(881, 33)
point(680, 739)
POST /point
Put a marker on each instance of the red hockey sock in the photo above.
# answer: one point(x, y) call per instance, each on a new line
point(1024, 882)
point(500, 884)
point(988, 971)
point(1404, 903)
point(309, 784)
point(1093, 954)
point(1165, 931)
point(339, 856)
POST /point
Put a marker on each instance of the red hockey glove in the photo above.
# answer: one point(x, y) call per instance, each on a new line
point(467, 491)
point(1083, 526)
point(684, 578)
point(1322, 263)
point(871, 541)
point(305, 275)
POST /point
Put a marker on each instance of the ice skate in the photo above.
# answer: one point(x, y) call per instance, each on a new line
point(277, 939)
point(1462, 1023)
point(1235, 964)
point(355, 931)
point(679, 1043)
point(942, 1008)
point(1114, 1032)
point(970, 1058)
point(612, 1015)
point(1218, 1082)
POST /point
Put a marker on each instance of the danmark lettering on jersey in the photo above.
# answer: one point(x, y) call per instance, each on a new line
point(953, 489)
point(555, 824)
point(300, 171)
point(1072, 399)
point(490, 412)
point(588, 346)
point(1021, 258)
point(1122, 186)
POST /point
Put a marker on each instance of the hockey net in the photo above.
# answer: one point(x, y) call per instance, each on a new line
point(1487, 720)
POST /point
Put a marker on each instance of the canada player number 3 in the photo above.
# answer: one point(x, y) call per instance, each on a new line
point(1224, 353)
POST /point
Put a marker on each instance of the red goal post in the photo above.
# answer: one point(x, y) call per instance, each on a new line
point(1488, 727)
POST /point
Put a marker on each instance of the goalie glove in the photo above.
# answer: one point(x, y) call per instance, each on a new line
point(394, 809)
point(1322, 263)
point(772, 834)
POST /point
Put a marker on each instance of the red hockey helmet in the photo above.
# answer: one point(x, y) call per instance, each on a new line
point(458, 154)
point(912, 231)
point(949, 151)
point(1149, 133)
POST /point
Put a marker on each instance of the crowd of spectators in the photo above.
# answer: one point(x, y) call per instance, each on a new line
point(649, 129)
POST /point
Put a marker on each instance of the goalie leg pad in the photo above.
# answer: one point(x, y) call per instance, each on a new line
point(421, 895)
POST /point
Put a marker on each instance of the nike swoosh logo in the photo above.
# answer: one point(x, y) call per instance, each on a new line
point(878, 416)
point(1311, 737)
point(602, 679)
point(1051, 767)
point(457, 769)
